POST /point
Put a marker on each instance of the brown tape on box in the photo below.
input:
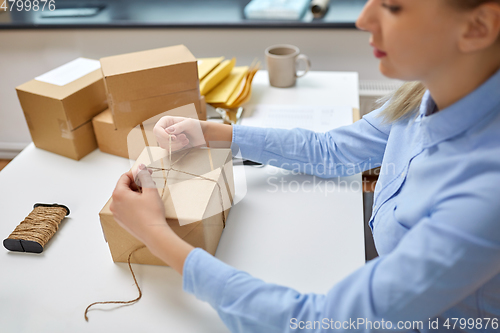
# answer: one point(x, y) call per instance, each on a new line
point(128, 114)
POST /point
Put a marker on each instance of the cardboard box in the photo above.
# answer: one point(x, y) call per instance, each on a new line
point(193, 205)
point(143, 84)
point(130, 142)
point(59, 116)
point(138, 111)
point(116, 141)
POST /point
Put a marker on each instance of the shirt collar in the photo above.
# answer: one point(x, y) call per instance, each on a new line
point(459, 116)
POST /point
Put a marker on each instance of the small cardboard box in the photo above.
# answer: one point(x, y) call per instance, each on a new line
point(195, 208)
point(116, 141)
point(143, 84)
point(130, 142)
point(59, 113)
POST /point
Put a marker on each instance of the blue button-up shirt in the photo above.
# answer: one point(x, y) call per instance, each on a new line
point(435, 222)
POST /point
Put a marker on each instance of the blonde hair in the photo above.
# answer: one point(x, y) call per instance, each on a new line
point(405, 101)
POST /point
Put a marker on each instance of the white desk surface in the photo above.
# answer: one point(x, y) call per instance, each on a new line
point(307, 239)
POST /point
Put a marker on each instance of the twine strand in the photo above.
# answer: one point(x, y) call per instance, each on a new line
point(122, 302)
point(170, 168)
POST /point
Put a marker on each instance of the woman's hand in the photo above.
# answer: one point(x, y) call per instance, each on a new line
point(184, 132)
point(187, 132)
point(142, 214)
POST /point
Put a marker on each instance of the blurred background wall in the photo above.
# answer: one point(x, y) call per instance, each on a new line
point(25, 54)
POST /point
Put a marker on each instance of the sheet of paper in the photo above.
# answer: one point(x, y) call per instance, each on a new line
point(70, 72)
point(314, 118)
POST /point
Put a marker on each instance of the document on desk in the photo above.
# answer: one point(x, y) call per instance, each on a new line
point(314, 118)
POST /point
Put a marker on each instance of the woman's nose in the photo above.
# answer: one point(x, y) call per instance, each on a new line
point(367, 20)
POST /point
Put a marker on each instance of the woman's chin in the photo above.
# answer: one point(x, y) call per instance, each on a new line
point(387, 71)
point(391, 73)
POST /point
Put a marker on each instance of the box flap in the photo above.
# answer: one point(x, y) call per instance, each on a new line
point(143, 60)
point(70, 71)
point(60, 92)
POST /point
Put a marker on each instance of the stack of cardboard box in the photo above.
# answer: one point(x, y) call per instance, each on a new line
point(67, 108)
point(140, 86)
point(59, 106)
point(64, 107)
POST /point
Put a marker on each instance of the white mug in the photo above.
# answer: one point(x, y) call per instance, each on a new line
point(282, 65)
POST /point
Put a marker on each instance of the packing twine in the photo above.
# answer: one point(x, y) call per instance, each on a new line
point(122, 302)
point(170, 168)
point(40, 225)
point(141, 247)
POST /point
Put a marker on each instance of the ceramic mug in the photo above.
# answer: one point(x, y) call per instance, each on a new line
point(282, 63)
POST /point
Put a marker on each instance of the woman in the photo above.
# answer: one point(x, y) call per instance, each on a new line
point(436, 212)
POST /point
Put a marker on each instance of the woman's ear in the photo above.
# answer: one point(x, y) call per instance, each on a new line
point(482, 28)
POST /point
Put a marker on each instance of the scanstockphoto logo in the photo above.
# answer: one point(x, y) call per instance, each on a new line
point(312, 185)
point(326, 178)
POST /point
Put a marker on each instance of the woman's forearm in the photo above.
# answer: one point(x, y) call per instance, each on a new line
point(170, 248)
point(343, 151)
point(216, 132)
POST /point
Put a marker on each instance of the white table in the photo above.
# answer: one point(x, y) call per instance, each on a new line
point(308, 241)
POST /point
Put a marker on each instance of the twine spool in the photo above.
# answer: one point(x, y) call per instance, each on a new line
point(32, 234)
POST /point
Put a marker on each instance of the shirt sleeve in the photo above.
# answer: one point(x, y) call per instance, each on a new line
point(343, 151)
point(440, 261)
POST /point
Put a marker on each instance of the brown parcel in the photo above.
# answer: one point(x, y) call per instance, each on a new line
point(143, 84)
point(129, 142)
point(132, 113)
point(59, 117)
point(117, 141)
point(192, 204)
